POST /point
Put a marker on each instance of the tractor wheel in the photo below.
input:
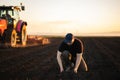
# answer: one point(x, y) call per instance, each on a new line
point(13, 38)
point(9, 37)
point(23, 35)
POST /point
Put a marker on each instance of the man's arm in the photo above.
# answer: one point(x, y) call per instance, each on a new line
point(60, 61)
point(78, 60)
point(78, 56)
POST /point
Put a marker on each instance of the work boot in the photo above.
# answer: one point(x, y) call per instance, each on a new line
point(68, 68)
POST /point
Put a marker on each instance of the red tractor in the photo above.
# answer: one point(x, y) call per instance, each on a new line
point(12, 28)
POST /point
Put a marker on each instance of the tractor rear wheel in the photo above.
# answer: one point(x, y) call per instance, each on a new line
point(23, 35)
point(13, 38)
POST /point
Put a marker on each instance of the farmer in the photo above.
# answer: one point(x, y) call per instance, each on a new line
point(69, 54)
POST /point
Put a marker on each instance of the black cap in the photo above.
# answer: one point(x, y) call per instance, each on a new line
point(68, 38)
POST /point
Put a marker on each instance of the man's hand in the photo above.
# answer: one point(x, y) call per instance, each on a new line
point(75, 70)
point(61, 70)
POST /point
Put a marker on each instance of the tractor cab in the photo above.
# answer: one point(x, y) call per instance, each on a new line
point(10, 13)
point(13, 11)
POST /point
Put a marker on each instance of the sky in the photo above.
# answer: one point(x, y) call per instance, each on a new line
point(80, 17)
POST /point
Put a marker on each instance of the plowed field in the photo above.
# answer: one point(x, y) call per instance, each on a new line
point(38, 62)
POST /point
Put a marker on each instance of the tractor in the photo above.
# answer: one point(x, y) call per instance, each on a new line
point(12, 28)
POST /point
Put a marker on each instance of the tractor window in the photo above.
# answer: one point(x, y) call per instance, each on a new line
point(16, 14)
point(2, 13)
point(10, 13)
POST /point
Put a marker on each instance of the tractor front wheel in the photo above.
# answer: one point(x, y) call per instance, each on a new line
point(23, 37)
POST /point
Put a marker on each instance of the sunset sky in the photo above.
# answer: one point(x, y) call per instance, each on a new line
point(80, 17)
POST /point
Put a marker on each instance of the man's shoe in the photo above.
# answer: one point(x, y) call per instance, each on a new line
point(68, 68)
point(72, 65)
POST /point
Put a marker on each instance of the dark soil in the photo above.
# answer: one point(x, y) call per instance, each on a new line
point(38, 62)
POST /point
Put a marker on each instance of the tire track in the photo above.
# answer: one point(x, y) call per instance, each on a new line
point(101, 67)
point(108, 53)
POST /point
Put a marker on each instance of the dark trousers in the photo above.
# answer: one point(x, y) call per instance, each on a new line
point(67, 59)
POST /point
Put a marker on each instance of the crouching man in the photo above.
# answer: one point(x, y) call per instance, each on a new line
point(69, 54)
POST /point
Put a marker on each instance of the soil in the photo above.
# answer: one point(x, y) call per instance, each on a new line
point(38, 62)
